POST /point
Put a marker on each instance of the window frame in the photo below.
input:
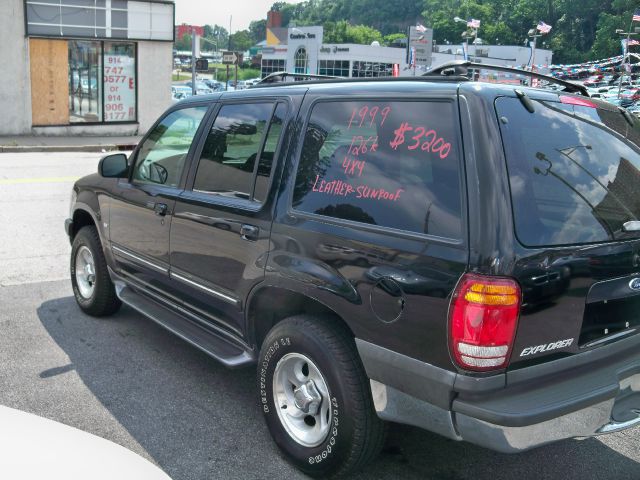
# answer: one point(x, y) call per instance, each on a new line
point(299, 56)
point(133, 158)
point(249, 204)
point(452, 98)
point(102, 96)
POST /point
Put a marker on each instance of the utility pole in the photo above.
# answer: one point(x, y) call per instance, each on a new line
point(229, 48)
point(533, 33)
point(625, 54)
point(193, 61)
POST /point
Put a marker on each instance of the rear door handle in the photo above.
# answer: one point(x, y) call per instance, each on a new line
point(249, 232)
point(160, 209)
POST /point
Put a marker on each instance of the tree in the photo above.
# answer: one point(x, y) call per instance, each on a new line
point(582, 29)
point(392, 37)
point(184, 43)
point(217, 34)
point(241, 41)
point(258, 31)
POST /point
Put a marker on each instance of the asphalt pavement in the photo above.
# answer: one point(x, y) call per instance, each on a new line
point(126, 379)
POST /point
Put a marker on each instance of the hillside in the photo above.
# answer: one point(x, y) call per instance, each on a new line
point(582, 29)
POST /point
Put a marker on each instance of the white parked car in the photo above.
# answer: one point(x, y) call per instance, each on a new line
point(37, 448)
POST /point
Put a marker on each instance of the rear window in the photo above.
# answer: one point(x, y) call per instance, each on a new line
point(574, 172)
point(392, 164)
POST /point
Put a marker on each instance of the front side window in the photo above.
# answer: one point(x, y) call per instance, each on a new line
point(574, 177)
point(160, 159)
point(393, 164)
point(233, 153)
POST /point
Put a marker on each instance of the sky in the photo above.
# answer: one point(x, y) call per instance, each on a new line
point(201, 12)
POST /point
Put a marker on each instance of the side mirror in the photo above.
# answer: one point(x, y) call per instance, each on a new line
point(114, 166)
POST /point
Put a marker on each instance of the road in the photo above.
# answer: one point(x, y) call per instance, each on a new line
point(130, 381)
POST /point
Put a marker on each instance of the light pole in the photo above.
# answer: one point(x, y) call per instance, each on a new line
point(625, 54)
point(465, 35)
point(533, 33)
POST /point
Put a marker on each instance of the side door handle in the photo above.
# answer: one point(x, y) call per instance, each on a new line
point(249, 232)
point(160, 209)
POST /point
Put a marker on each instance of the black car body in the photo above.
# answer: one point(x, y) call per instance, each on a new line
point(512, 201)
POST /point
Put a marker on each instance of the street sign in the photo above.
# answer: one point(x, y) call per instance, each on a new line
point(231, 58)
point(202, 65)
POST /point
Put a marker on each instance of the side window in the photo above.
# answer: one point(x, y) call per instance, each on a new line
point(393, 164)
point(161, 157)
point(233, 153)
point(574, 179)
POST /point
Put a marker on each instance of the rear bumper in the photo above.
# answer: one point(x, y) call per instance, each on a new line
point(592, 393)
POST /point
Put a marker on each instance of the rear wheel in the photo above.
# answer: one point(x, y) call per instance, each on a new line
point(92, 286)
point(316, 397)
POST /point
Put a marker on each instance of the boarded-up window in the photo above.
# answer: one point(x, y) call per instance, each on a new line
point(49, 81)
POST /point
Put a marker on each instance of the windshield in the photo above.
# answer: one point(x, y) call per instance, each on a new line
point(574, 172)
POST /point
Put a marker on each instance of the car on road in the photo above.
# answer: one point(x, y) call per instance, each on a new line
point(214, 85)
point(180, 92)
point(201, 88)
point(455, 255)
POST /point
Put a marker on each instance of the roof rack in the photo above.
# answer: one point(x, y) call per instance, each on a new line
point(461, 67)
point(280, 77)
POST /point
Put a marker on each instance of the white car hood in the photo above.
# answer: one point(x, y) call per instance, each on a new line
point(33, 447)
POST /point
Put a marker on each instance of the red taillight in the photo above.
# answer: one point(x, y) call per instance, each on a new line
point(482, 321)
point(577, 101)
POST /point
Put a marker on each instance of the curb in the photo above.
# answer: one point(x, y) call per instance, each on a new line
point(66, 148)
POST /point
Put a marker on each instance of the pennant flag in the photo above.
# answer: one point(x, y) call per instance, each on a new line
point(543, 27)
point(636, 15)
point(473, 23)
point(420, 28)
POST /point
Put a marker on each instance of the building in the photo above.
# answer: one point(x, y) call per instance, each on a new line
point(504, 55)
point(85, 67)
point(184, 29)
point(301, 50)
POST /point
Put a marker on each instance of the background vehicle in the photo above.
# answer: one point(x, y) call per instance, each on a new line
point(458, 256)
point(36, 447)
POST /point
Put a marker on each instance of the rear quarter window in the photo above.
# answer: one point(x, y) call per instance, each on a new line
point(393, 164)
point(574, 172)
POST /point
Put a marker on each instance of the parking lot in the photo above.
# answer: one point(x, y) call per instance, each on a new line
point(126, 379)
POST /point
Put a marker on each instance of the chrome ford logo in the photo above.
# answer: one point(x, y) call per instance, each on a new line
point(634, 284)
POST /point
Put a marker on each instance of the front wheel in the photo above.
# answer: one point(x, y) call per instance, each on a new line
point(316, 397)
point(92, 286)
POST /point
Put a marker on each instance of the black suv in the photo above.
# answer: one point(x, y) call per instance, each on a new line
point(455, 255)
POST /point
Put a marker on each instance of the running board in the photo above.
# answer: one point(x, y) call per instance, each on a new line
point(230, 355)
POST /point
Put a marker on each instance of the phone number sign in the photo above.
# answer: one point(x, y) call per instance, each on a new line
point(119, 88)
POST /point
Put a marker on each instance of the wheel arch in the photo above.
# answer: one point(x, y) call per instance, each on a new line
point(82, 218)
point(270, 304)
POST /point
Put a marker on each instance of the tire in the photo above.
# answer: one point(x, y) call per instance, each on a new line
point(355, 434)
point(92, 287)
